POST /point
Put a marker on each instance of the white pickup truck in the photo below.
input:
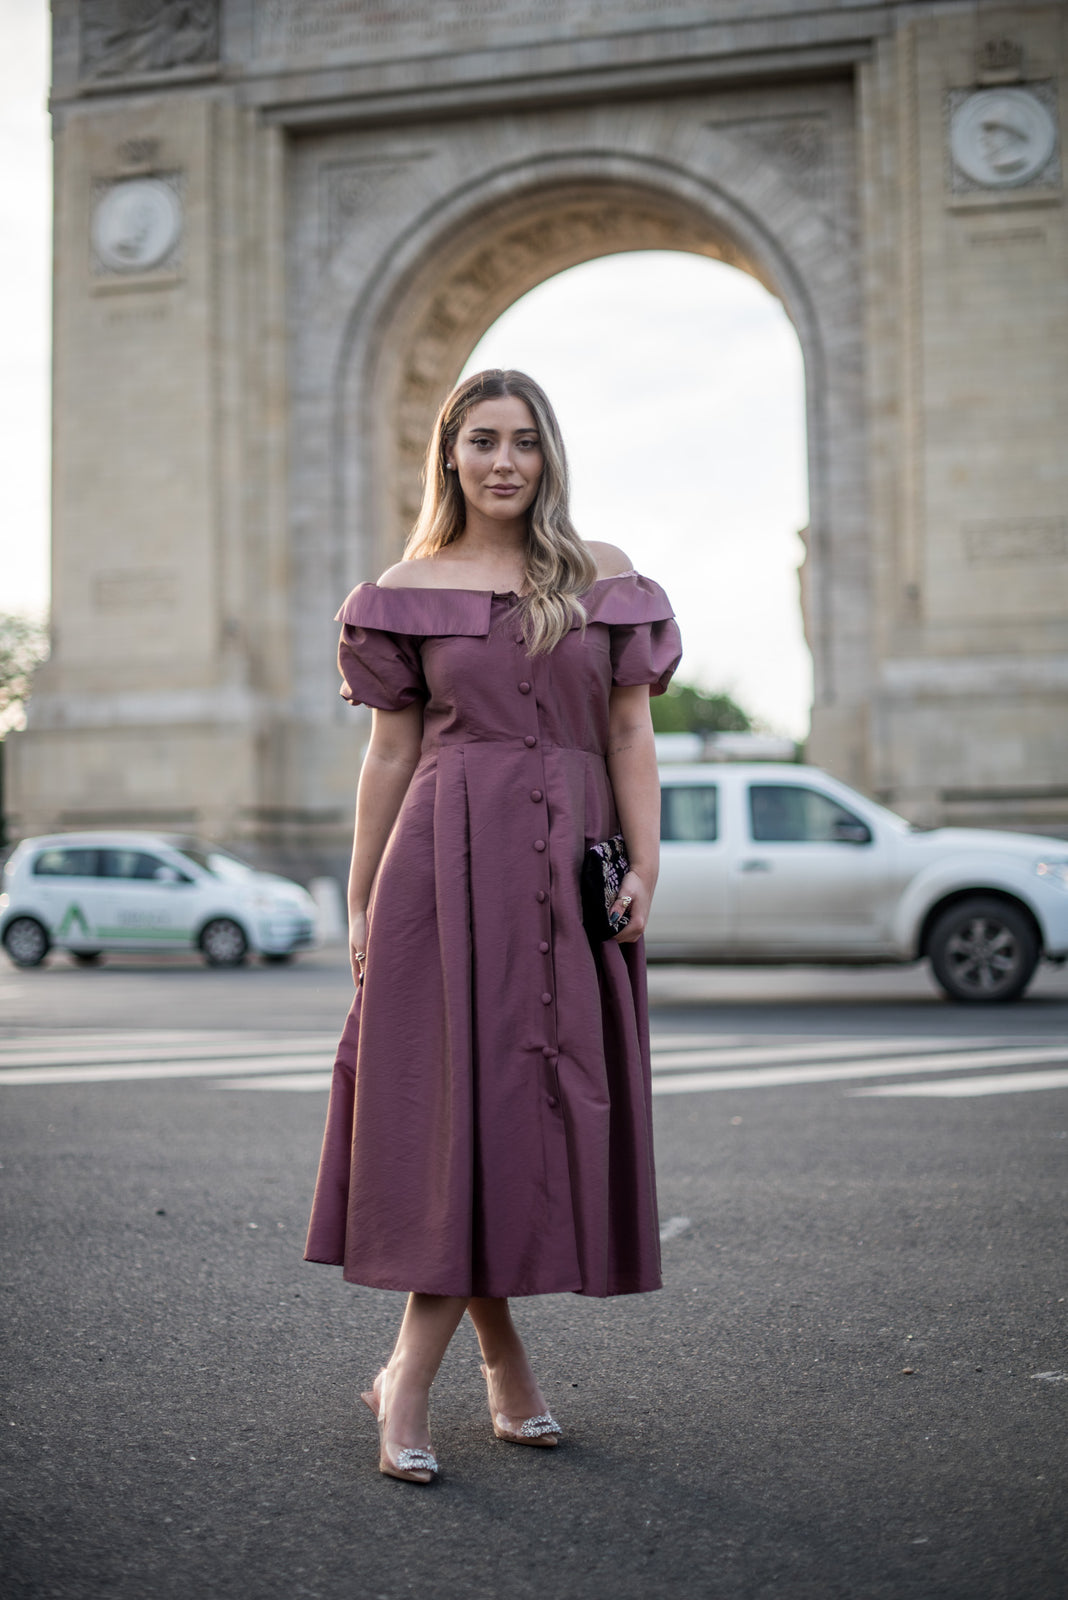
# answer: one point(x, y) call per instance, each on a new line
point(769, 864)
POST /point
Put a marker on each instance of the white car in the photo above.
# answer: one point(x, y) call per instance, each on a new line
point(769, 864)
point(92, 892)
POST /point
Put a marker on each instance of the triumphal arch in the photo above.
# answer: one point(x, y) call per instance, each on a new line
point(281, 226)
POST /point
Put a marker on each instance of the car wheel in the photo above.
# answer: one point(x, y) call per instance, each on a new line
point(223, 943)
point(983, 949)
point(86, 958)
point(26, 941)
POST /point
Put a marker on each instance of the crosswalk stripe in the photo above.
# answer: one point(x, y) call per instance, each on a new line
point(215, 1048)
point(681, 1062)
point(820, 1050)
point(781, 1077)
point(961, 1088)
point(153, 1071)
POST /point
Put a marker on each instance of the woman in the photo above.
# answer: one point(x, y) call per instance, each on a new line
point(489, 1127)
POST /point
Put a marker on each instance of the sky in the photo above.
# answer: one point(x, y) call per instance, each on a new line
point(678, 382)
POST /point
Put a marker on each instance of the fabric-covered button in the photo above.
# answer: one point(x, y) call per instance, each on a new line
point(542, 897)
point(544, 948)
point(524, 688)
point(547, 1051)
point(539, 844)
point(530, 741)
point(546, 999)
point(535, 794)
point(519, 638)
point(552, 1102)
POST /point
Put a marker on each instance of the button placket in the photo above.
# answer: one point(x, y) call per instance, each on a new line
point(526, 687)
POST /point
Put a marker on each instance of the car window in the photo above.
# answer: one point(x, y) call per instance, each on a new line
point(790, 813)
point(69, 862)
point(210, 858)
point(689, 812)
point(135, 864)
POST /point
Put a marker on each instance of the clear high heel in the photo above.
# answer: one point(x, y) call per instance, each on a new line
point(413, 1465)
point(542, 1431)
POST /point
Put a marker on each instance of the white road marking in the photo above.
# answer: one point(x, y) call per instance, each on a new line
point(821, 1050)
point(215, 1047)
point(153, 1071)
point(681, 1062)
point(781, 1077)
point(961, 1088)
point(673, 1228)
point(285, 1080)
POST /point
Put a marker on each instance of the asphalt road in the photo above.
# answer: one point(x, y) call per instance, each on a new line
point(852, 1385)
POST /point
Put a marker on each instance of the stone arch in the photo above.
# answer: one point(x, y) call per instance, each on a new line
point(472, 253)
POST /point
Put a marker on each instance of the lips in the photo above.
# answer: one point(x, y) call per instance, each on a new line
point(504, 490)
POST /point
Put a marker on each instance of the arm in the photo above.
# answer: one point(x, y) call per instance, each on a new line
point(391, 758)
point(631, 757)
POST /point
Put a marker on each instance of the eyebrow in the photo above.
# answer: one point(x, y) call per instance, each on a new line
point(476, 427)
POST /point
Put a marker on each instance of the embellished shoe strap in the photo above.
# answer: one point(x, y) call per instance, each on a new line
point(535, 1427)
point(414, 1460)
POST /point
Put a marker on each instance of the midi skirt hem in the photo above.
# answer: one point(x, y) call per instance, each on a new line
point(525, 1291)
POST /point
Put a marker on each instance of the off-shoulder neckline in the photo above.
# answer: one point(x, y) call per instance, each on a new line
point(495, 594)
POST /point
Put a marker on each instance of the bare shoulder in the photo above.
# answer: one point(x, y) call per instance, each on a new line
point(408, 575)
point(610, 559)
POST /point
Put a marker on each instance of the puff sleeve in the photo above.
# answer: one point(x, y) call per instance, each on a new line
point(379, 667)
point(645, 641)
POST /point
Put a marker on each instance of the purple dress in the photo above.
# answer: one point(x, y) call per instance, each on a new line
point(490, 1125)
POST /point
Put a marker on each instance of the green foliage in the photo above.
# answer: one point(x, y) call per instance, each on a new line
point(684, 709)
point(23, 646)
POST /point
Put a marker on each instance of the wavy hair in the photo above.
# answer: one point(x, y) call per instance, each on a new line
point(558, 566)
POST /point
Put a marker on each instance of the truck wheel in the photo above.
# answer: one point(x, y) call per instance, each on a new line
point(223, 943)
point(983, 949)
point(26, 941)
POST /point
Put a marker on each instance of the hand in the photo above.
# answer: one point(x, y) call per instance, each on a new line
point(357, 944)
point(637, 912)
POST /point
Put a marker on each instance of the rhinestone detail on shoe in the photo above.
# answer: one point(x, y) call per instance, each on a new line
point(409, 1460)
point(534, 1427)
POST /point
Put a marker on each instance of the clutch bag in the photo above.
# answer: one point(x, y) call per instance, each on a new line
point(604, 866)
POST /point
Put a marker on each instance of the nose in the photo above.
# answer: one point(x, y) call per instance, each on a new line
point(504, 459)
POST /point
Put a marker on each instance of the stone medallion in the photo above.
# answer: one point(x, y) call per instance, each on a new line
point(137, 224)
point(1002, 138)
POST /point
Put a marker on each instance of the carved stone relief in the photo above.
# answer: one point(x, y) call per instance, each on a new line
point(298, 29)
point(119, 37)
point(797, 145)
point(1003, 138)
point(137, 225)
point(348, 190)
point(135, 589)
point(1026, 539)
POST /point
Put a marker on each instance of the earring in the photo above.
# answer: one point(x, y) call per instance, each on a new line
point(450, 466)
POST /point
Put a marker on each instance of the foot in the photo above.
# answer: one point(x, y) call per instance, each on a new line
point(403, 1430)
point(517, 1405)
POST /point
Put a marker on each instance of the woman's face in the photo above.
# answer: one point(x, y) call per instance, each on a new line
point(498, 458)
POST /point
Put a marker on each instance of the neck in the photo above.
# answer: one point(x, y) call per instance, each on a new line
point(500, 543)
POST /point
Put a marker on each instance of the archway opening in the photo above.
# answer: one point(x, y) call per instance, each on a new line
point(679, 382)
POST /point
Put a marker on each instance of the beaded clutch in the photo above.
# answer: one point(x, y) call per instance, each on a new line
point(604, 867)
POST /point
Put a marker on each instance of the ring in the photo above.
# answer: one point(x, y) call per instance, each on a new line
point(625, 900)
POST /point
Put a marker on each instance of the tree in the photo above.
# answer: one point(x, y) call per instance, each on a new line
point(23, 646)
point(686, 709)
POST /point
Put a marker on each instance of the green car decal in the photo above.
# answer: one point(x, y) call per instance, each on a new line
point(74, 914)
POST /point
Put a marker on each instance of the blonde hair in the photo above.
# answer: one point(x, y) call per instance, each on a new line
point(558, 566)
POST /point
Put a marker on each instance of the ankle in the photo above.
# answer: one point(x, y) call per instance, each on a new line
point(411, 1374)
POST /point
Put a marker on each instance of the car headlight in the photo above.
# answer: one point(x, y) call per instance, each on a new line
point(1054, 869)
